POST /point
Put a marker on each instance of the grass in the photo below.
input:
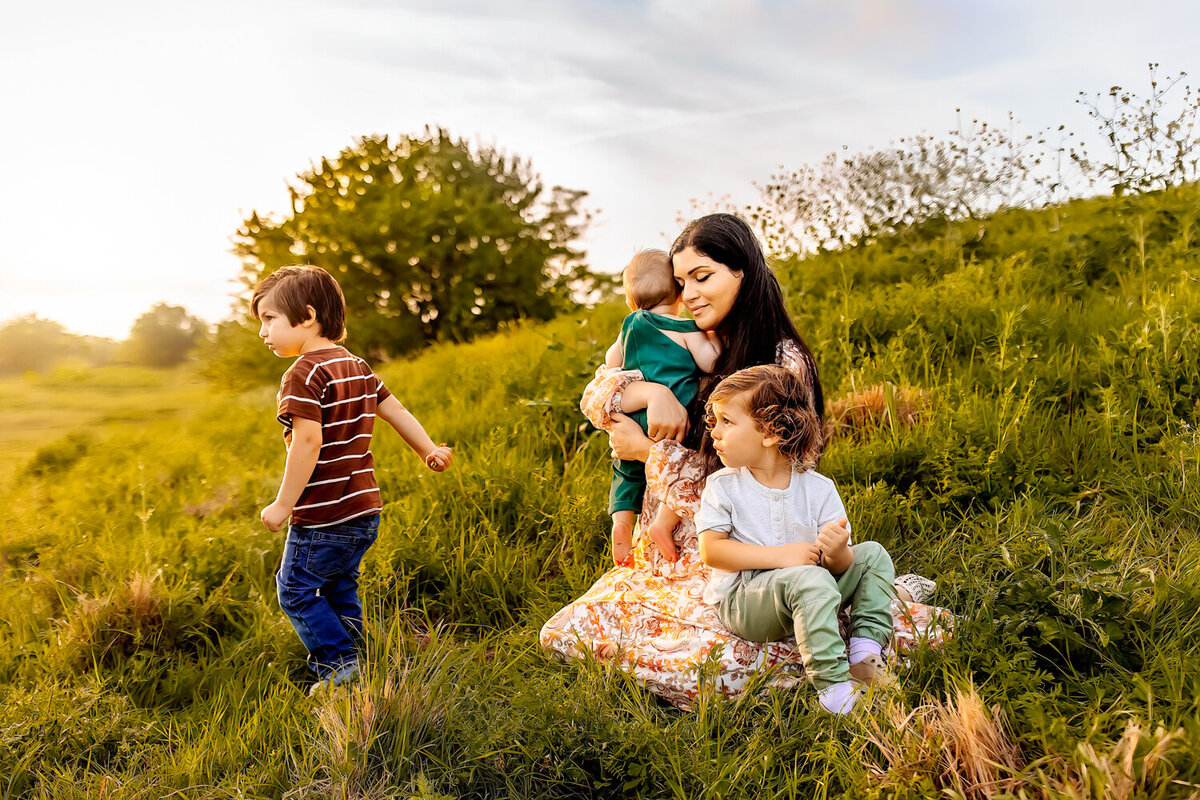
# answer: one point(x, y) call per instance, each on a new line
point(86, 403)
point(1014, 409)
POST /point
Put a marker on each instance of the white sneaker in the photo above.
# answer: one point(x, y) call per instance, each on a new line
point(345, 674)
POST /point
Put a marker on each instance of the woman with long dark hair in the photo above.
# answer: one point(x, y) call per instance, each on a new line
point(650, 614)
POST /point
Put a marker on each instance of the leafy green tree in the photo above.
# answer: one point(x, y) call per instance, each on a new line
point(164, 336)
point(235, 356)
point(431, 239)
point(32, 343)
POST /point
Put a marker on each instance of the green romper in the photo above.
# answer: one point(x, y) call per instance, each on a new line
point(645, 347)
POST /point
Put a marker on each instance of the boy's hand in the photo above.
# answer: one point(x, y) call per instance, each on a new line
point(439, 458)
point(797, 554)
point(275, 516)
point(833, 538)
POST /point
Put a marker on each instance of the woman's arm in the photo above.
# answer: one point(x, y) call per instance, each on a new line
point(627, 439)
point(718, 551)
point(603, 395)
point(666, 418)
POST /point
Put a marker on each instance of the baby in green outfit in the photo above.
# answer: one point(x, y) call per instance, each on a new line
point(670, 351)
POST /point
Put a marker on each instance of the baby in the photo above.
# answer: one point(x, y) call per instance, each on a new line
point(670, 351)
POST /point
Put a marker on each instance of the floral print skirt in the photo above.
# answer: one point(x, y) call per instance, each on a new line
point(650, 618)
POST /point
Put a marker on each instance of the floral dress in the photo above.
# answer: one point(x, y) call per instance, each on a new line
point(649, 616)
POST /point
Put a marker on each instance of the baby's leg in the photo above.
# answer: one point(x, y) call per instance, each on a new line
point(624, 503)
point(622, 537)
point(661, 531)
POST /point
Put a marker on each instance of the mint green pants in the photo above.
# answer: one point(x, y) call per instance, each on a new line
point(766, 605)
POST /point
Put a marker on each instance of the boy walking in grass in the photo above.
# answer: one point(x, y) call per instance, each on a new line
point(328, 401)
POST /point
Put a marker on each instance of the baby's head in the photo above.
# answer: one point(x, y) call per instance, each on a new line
point(650, 281)
point(759, 409)
point(294, 290)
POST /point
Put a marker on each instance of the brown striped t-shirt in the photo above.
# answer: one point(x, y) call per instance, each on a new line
point(336, 388)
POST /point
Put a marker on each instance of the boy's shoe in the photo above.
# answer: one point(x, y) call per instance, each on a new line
point(347, 673)
point(840, 698)
point(873, 670)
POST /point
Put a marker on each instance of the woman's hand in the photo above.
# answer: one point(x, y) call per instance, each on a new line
point(665, 417)
point(627, 440)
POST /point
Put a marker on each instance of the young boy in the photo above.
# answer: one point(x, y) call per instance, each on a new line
point(328, 400)
point(774, 532)
point(670, 351)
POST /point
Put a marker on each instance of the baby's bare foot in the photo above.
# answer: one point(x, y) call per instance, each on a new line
point(622, 542)
point(661, 536)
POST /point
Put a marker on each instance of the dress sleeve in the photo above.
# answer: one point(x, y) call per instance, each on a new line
point(675, 474)
point(602, 396)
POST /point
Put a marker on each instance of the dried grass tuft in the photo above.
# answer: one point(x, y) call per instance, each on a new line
point(859, 414)
point(963, 748)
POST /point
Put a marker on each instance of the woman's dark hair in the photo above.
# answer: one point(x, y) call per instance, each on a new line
point(757, 322)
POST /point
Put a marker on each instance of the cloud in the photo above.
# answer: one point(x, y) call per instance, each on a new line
point(144, 131)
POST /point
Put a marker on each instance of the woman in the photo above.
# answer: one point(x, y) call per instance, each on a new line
point(650, 615)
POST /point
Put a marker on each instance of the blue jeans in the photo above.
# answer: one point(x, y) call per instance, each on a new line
point(318, 588)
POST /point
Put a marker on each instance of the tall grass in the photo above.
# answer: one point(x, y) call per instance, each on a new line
point(1014, 409)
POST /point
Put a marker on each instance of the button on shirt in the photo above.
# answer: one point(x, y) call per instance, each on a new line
point(734, 502)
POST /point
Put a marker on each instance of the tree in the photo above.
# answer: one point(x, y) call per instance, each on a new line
point(972, 172)
point(32, 343)
point(1151, 145)
point(431, 239)
point(163, 336)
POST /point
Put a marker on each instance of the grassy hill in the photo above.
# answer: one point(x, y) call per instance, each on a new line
point(1018, 406)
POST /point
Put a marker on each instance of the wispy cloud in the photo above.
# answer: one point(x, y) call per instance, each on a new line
point(140, 132)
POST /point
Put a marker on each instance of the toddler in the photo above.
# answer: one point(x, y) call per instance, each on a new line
point(670, 351)
point(328, 401)
point(774, 532)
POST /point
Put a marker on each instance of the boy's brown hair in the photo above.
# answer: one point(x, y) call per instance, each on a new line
point(649, 279)
point(298, 287)
point(774, 399)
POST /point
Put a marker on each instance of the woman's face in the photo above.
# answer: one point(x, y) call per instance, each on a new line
point(709, 287)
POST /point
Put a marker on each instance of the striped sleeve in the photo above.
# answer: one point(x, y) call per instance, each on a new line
point(300, 393)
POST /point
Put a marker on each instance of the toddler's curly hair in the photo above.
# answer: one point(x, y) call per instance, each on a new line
point(774, 399)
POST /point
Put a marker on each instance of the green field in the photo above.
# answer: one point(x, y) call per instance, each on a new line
point(1021, 402)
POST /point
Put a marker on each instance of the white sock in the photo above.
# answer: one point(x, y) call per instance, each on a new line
point(838, 698)
point(861, 647)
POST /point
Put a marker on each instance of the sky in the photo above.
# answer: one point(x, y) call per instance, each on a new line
point(136, 136)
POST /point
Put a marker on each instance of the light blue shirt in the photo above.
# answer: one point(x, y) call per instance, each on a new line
point(734, 502)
